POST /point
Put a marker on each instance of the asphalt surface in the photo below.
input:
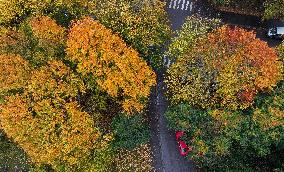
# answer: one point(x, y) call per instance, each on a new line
point(164, 146)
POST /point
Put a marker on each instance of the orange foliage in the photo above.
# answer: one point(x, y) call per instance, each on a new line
point(116, 68)
point(229, 68)
point(248, 53)
point(46, 30)
point(14, 72)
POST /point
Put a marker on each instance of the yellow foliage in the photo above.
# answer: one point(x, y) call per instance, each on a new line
point(14, 10)
point(55, 81)
point(116, 68)
point(49, 135)
point(14, 72)
point(141, 23)
point(136, 160)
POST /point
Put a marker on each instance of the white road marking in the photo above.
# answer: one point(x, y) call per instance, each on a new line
point(171, 3)
point(178, 4)
point(187, 3)
point(175, 3)
point(190, 6)
point(181, 4)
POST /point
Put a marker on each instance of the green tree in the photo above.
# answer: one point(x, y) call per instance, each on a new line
point(194, 28)
point(274, 9)
point(130, 131)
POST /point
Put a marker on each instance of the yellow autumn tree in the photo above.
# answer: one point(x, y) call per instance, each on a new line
point(14, 72)
point(15, 11)
point(46, 120)
point(47, 115)
point(143, 24)
point(38, 40)
point(115, 67)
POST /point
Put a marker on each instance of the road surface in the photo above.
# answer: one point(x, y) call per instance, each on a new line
point(164, 145)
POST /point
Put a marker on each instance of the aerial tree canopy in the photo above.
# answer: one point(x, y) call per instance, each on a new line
point(225, 69)
point(45, 70)
point(115, 67)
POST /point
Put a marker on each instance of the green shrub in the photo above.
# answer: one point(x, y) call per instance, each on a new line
point(130, 131)
point(274, 9)
point(225, 139)
point(12, 158)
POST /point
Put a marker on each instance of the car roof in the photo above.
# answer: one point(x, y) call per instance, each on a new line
point(280, 30)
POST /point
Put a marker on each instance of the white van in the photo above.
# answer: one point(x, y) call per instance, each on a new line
point(276, 32)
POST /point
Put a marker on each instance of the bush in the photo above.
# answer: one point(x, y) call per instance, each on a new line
point(130, 131)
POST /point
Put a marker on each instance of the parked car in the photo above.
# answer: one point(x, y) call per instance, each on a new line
point(276, 32)
point(182, 146)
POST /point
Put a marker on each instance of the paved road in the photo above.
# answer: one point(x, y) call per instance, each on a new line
point(164, 145)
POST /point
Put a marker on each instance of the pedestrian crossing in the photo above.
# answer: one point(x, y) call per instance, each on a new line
point(181, 4)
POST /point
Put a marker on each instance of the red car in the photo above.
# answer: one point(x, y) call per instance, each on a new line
point(183, 148)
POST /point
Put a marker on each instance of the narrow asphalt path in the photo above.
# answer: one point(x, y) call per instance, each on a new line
point(164, 146)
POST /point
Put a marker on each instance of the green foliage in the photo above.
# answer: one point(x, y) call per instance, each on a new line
point(16, 11)
point(12, 158)
point(143, 24)
point(37, 40)
point(130, 131)
point(221, 2)
point(225, 139)
point(242, 127)
point(274, 9)
point(195, 27)
point(100, 160)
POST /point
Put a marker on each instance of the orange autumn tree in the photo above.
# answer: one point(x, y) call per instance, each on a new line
point(227, 68)
point(116, 68)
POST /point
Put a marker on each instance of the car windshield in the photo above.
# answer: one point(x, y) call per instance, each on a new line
point(273, 31)
point(183, 150)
